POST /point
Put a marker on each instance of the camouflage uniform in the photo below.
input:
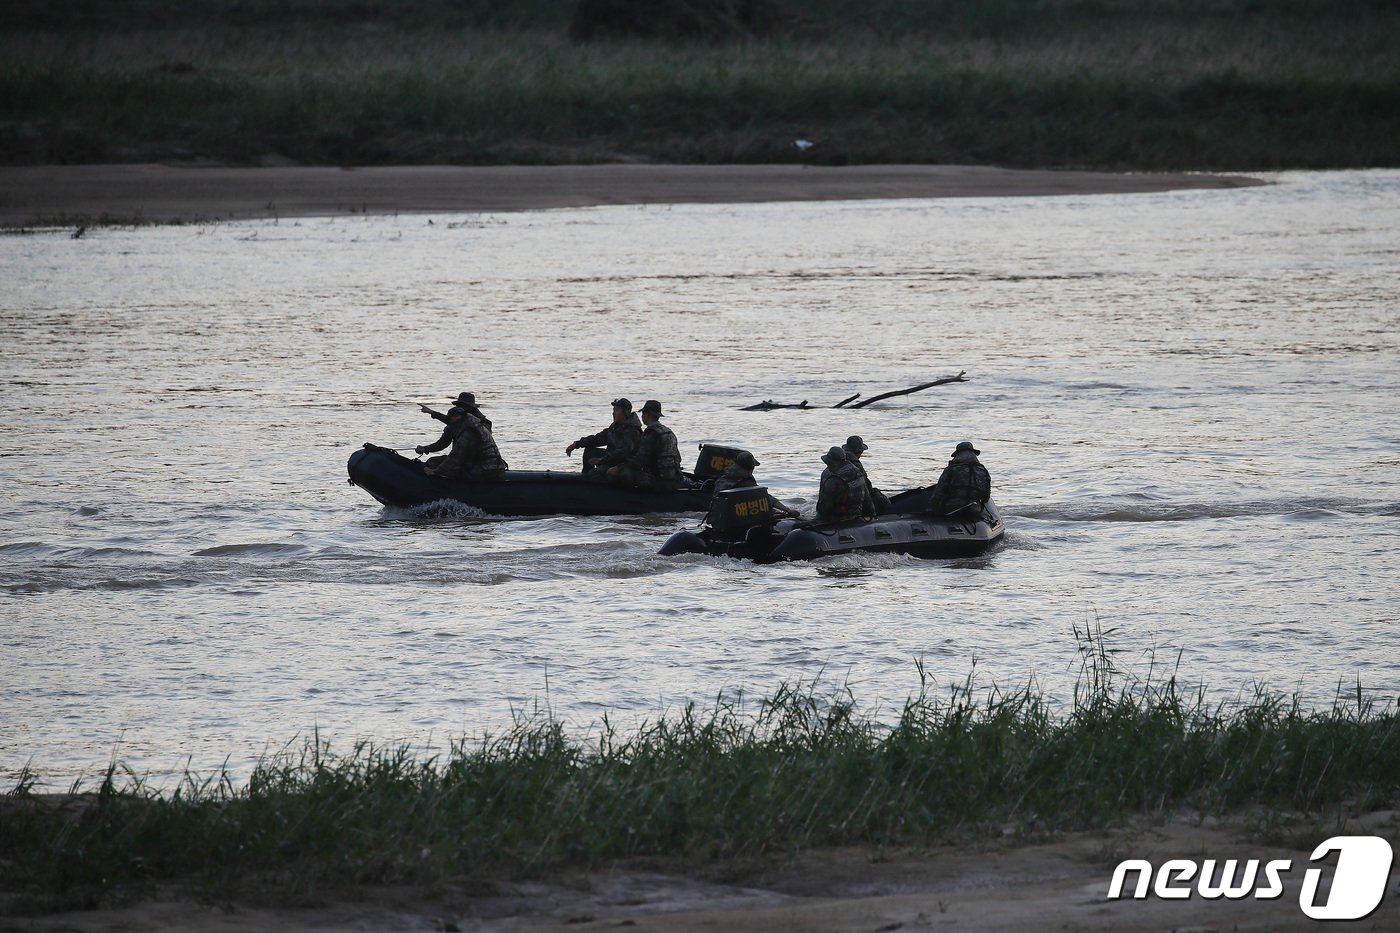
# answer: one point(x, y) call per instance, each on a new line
point(842, 495)
point(963, 481)
point(621, 440)
point(657, 462)
point(474, 454)
point(878, 500)
point(450, 433)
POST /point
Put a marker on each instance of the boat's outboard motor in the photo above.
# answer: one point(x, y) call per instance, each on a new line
point(738, 522)
point(735, 511)
point(714, 460)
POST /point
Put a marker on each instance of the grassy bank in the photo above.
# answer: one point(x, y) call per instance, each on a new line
point(1178, 84)
point(802, 769)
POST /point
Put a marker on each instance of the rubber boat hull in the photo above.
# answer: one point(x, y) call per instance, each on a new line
point(399, 481)
point(918, 534)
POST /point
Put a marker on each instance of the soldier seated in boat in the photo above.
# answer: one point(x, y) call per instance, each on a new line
point(739, 475)
point(855, 446)
point(474, 454)
point(657, 462)
point(621, 439)
point(963, 483)
point(842, 494)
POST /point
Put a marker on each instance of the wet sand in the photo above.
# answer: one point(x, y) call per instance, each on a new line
point(161, 193)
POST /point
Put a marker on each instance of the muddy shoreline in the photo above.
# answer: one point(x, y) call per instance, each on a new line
point(1057, 884)
point(35, 195)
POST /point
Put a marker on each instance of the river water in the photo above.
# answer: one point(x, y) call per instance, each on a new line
point(1188, 403)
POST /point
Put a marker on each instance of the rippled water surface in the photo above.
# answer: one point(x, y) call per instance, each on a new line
point(1188, 403)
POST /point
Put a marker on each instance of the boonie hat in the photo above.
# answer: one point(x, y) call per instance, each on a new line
point(464, 398)
point(624, 404)
point(653, 407)
point(966, 445)
point(857, 443)
point(834, 456)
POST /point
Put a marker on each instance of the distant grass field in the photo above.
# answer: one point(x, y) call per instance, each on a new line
point(801, 769)
point(1190, 84)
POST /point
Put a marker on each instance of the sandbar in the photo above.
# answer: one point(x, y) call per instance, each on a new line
point(47, 194)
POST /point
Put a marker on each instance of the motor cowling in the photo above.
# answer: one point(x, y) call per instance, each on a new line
point(714, 459)
point(735, 511)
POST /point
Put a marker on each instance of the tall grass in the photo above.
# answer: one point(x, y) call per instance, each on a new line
point(803, 768)
point(1151, 90)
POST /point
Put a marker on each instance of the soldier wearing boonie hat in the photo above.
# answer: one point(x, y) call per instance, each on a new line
point(963, 483)
point(841, 495)
point(739, 475)
point(855, 446)
point(657, 462)
point(464, 400)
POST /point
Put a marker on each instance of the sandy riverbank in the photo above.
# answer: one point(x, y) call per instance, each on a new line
point(124, 193)
point(1056, 885)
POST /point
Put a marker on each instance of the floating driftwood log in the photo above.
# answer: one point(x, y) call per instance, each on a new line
point(851, 402)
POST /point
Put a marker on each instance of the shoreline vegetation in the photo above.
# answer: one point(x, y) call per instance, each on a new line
point(1114, 85)
point(801, 770)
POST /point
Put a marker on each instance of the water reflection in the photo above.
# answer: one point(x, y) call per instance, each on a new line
point(1186, 401)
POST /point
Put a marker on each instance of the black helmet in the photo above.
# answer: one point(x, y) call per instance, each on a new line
point(624, 404)
point(746, 460)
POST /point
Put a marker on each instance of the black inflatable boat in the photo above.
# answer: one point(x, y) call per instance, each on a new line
point(740, 524)
point(400, 481)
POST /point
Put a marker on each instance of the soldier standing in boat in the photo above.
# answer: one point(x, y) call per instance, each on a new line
point(739, 475)
point(842, 494)
point(621, 439)
point(963, 482)
point(855, 446)
point(657, 462)
point(474, 454)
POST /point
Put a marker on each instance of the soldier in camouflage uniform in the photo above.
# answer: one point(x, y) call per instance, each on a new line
point(842, 494)
point(657, 462)
point(622, 438)
point(964, 481)
point(452, 427)
point(474, 454)
point(855, 446)
point(465, 400)
point(740, 476)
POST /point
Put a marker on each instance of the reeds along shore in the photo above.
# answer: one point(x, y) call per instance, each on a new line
point(1113, 84)
point(800, 769)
